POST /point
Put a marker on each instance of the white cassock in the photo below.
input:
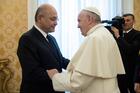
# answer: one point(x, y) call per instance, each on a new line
point(94, 67)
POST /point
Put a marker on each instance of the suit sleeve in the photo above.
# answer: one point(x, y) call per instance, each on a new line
point(65, 62)
point(137, 72)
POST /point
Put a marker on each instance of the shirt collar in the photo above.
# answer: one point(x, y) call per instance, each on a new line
point(127, 31)
point(41, 31)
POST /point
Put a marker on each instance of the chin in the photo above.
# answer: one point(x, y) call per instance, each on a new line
point(52, 31)
point(83, 34)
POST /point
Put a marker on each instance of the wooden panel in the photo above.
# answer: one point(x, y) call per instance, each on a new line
point(13, 22)
point(137, 13)
point(5, 75)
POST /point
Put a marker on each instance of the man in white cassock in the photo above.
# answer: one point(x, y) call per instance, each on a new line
point(94, 67)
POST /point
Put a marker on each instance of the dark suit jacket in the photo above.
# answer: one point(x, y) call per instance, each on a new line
point(137, 72)
point(36, 56)
point(129, 47)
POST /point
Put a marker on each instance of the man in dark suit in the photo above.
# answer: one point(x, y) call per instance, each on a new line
point(129, 45)
point(38, 51)
point(137, 77)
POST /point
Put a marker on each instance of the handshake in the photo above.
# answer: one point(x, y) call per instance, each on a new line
point(52, 72)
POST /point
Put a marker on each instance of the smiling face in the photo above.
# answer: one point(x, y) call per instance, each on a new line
point(129, 22)
point(47, 18)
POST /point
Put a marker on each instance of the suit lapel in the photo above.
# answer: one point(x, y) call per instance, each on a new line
point(52, 48)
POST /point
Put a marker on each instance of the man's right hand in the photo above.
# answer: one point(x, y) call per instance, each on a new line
point(52, 72)
point(115, 31)
point(137, 87)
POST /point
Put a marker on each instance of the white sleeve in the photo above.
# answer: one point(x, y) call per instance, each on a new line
point(74, 82)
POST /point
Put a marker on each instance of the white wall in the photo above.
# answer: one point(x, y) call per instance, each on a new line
point(127, 6)
point(32, 6)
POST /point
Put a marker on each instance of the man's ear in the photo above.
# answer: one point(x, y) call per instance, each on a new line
point(90, 19)
point(39, 17)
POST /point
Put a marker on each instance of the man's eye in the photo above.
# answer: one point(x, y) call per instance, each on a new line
point(54, 19)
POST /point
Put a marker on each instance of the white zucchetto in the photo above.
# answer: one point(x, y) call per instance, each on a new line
point(93, 9)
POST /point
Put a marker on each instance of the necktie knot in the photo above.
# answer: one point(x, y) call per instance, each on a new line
point(124, 34)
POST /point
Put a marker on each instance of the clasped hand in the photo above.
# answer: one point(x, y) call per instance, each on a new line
point(137, 87)
point(52, 72)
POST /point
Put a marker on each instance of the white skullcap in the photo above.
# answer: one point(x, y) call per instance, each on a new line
point(92, 9)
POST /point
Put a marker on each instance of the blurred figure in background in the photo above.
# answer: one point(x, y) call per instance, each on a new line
point(129, 44)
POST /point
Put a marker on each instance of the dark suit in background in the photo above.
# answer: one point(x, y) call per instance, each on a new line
point(37, 54)
point(129, 45)
point(137, 73)
point(129, 48)
point(137, 77)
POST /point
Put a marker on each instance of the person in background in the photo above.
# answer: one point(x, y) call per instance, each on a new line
point(94, 67)
point(137, 78)
point(38, 52)
point(129, 44)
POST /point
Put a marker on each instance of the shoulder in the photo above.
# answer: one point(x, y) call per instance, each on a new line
point(29, 37)
point(135, 31)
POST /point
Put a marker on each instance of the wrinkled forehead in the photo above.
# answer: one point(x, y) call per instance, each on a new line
point(82, 14)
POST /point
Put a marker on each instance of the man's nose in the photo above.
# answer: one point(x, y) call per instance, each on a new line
point(55, 23)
